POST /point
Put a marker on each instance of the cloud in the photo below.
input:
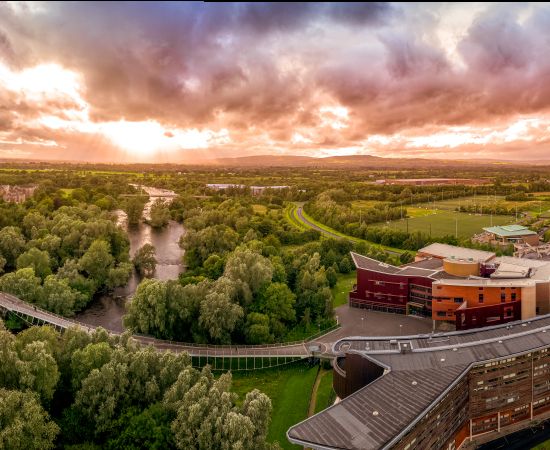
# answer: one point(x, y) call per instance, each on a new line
point(267, 72)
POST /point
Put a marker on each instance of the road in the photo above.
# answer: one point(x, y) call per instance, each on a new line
point(308, 223)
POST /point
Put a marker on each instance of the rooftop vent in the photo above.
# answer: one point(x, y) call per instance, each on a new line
point(375, 413)
point(414, 383)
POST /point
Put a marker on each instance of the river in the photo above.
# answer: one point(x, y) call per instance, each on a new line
point(107, 310)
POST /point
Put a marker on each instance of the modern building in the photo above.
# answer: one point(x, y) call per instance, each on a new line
point(437, 391)
point(464, 287)
point(511, 234)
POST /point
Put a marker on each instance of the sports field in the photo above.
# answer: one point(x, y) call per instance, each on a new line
point(442, 223)
point(541, 204)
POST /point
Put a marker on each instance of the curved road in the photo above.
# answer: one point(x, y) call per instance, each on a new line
point(306, 222)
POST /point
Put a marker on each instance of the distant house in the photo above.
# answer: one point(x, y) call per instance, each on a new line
point(16, 194)
point(511, 234)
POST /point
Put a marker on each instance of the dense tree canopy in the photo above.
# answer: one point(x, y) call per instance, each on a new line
point(108, 392)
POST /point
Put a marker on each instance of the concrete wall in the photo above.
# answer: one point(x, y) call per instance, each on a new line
point(528, 302)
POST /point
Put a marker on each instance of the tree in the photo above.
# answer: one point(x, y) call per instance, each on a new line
point(332, 278)
point(119, 276)
point(2, 264)
point(25, 424)
point(91, 357)
point(38, 260)
point(250, 270)
point(149, 429)
point(12, 244)
point(207, 418)
point(219, 315)
point(277, 301)
point(33, 224)
point(145, 261)
point(23, 284)
point(134, 210)
point(160, 214)
point(257, 329)
point(97, 261)
point(58, 297)
point(38, 370)
point(148, 312)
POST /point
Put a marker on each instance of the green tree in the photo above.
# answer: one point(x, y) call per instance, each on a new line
point(34, 224)
point(277, 301)
point(219, 316)
point(25, 424)
point(38, 369)
point(97, 261)
point(36, 259)
point(2, 264)
point(257, 329)
point(58, 297)
point(134, 210)
point(144, 260)
point(12, 244)
point(160, 214)
point(119, 276)
point(23, 284)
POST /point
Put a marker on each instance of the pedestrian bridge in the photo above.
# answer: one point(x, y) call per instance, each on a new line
point(220, 357)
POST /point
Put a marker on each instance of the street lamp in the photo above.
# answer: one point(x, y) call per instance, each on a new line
point(400, 328)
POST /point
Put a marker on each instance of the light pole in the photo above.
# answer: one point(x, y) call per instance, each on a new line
point(400, 328)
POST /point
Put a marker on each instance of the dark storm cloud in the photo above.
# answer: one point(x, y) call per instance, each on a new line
point(266, 68)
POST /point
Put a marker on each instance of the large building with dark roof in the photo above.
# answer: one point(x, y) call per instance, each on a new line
point(464, 287)
point(435, 391)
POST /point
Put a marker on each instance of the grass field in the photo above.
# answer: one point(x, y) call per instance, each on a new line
point(359, 204)
point(325, 393)
point(342, 287)
point(483, 201)
point(289, 389)
point(345, 236)
point(441, 223)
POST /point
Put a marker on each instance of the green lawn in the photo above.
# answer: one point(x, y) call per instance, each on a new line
point(441, 223)
point(289, 389)
point(345, 236)
point(342, 287)
point(325, 393)
point(543, 446)
point(360, 204)
point(482, 201)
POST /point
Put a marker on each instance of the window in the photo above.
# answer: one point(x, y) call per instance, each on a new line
point(441, 314)
point(502, 297)
point(458, 299)
point(513, 295)
point(480, 298)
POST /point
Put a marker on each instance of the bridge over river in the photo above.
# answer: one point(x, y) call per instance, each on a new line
point(234, 357)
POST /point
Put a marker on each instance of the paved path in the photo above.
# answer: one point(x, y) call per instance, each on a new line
point(310, 224)
point(39, 316)
point(353, 321)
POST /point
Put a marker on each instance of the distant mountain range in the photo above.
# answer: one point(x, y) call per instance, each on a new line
point(366, 161)
point(335, 162)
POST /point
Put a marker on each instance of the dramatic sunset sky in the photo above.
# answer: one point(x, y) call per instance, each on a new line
point(184, 82)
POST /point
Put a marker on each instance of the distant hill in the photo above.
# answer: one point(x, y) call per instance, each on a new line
point(366, 161)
